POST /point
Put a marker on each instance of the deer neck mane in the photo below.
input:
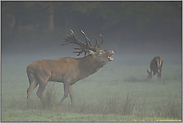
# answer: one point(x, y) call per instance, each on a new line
point(89, 64)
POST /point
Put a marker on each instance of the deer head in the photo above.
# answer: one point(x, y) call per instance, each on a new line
point(100, 55)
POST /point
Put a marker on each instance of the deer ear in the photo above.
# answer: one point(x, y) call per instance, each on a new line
point(91, 52)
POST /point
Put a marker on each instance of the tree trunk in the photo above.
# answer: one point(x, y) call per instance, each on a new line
point(51, 17)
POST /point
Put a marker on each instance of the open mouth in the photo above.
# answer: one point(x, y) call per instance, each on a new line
point(111, 55)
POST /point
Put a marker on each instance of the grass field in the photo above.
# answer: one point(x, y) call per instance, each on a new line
point(118, 92)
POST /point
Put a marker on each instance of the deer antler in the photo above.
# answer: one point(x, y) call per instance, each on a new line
point(97, 42)
point(87, 40)
point(101, 42)
point(82, 47)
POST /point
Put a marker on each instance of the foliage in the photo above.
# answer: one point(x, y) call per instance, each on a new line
point(139, 15)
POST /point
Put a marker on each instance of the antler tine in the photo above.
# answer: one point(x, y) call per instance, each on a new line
point(65, 44)
point(72, 33)
point(77, 48)
point(72, 39)
point(96, 42)
point(101, 42)
point(85, 53)
point(79, 52)
point(82, 46)
point(69, 37)
point(87, 40)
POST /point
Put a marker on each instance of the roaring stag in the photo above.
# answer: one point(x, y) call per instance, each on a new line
point(67, 70)
point(155, 67)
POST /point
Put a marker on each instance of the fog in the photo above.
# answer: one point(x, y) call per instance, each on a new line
point(132, 52)
point(136, 34)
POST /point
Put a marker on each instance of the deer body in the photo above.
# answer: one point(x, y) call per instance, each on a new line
point(67, 70)
point(155, 67)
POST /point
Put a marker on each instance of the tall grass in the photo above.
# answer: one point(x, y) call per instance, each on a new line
point(50, 101)
point(113, 104)
point(110, 105)
point(170, 108)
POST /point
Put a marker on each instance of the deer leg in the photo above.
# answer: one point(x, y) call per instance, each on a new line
point(29, 91)
point(150, 74)
point(31, 87)
point(159, 76)
point(41, 88)
point(71, 94)
point(66, 92)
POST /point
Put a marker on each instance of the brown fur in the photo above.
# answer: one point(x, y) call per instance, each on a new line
point(155, 67)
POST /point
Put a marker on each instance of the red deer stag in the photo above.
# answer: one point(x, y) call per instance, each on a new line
point(155, 67)
point(67, 70)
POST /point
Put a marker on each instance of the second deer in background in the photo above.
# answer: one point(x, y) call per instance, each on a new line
point(155, 67)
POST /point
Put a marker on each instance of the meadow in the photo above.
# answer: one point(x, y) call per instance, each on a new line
point(118, 92)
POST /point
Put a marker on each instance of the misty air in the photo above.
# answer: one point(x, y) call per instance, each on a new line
point(122, 61)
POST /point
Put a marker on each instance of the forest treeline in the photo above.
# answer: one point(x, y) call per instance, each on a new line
point(133, 19)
